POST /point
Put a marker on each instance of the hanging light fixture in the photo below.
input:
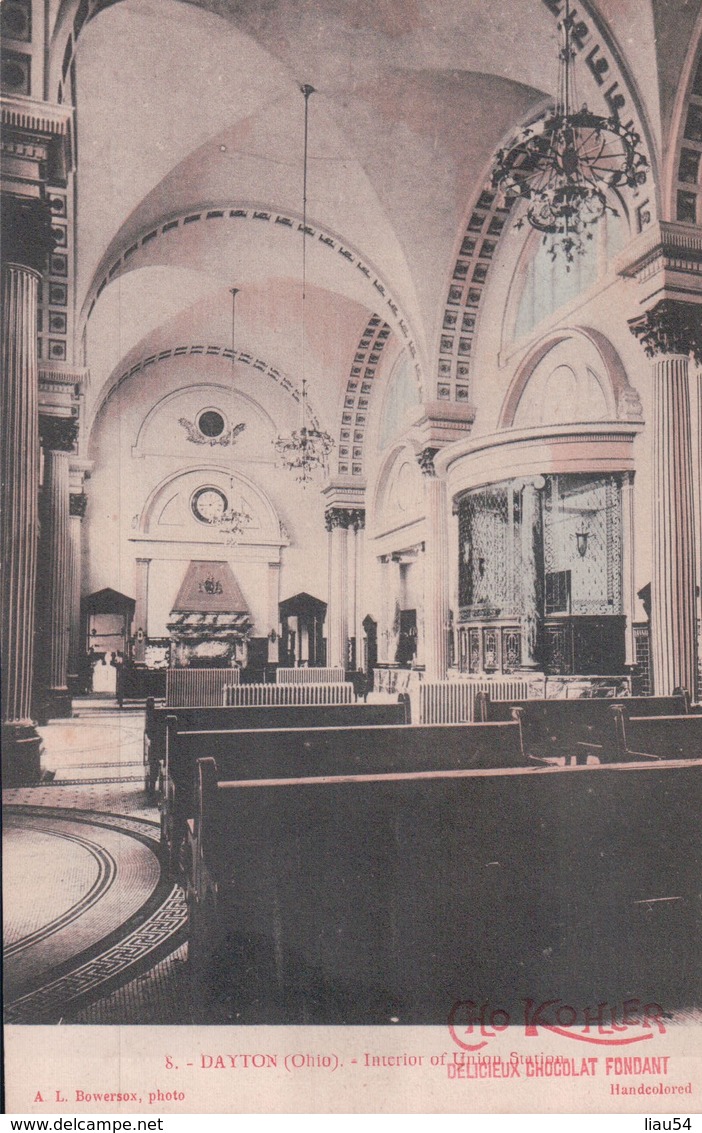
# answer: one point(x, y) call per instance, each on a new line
point(230, 522)
point(564, 165)
point(305, 449)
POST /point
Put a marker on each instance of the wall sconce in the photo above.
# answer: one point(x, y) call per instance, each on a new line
point(272, 637)
point(581, 538)
point(481, 567)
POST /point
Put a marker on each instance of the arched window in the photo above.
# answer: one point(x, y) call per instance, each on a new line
point(549, 282)
point(402, 394)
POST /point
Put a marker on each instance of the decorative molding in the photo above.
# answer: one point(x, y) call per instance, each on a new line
point(198, 438)
point(202, 350)
point(63, 375)
point(382, 297)
point(38, 138)
point(671, 327)
point(35, 117)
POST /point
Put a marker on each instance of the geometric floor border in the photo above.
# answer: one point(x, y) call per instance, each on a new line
point(155, 930)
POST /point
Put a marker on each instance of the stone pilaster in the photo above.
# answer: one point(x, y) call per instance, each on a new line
point(56, 548)
point(436, 570)
point(532, 567)
point(77, 503)
point(273, 613)
point(337, 524)
point(358, 589)
point(141, 608)
point(628, 568)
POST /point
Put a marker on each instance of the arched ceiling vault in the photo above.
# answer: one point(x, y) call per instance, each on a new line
point(193, 107)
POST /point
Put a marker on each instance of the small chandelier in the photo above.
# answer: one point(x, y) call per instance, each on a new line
point(304, 450)
point(565, 163)
point(232, 523)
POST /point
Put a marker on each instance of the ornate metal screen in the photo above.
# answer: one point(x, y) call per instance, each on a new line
point(583, 541)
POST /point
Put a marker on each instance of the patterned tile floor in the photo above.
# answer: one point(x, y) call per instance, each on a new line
point(93, 933)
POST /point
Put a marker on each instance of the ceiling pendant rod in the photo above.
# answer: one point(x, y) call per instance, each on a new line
point(306, 449)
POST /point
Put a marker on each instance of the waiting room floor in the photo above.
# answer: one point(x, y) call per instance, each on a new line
point(93, 932)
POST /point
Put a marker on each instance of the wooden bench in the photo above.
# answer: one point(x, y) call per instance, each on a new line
point(371, 899)
point(656, 737)
point(558, 729)
point(256, 716)
point(293, 752)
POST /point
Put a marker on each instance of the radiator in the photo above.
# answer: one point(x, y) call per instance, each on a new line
point(198, 688)
point(453, 702)
point(335, 692)
point(308, 676)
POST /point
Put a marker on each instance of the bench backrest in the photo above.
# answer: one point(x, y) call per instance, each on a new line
point(309, 676)
point(664, 737)
point(190, 688)
point(556, 727)
point(271, 716)
point(333, 692)
point(361, 899)
point(285, 752)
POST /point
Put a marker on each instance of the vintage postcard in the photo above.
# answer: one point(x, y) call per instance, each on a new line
point(351, 530)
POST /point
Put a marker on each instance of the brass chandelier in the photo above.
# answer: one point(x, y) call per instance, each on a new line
point(564, 165)
point(305, 449)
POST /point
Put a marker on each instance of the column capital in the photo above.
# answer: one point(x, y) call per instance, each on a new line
point(345, 518)
point(58, 433)
point(671, 327)
point(27, 238)
point(77, 504)
point(425, 460)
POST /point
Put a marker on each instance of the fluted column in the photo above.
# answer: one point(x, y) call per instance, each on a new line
point(141, 608)
point(358, 591)
point(20, 519)
point(76, 511)
point(56, 545)
point(532, 573)
point(436, 570)
point(336, 520)
point(628, 561)
point(673, 630)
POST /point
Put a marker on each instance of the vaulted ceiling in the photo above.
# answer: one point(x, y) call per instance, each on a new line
point(190, 118)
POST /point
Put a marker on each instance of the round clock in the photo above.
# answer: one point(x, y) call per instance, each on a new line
point(208, 504)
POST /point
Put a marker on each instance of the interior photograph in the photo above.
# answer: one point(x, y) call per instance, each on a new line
point(351, 485)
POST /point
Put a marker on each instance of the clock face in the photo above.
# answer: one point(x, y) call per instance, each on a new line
point(209, 504)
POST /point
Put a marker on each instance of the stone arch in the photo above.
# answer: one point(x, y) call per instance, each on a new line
point(622, 398)
point(270, 527)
